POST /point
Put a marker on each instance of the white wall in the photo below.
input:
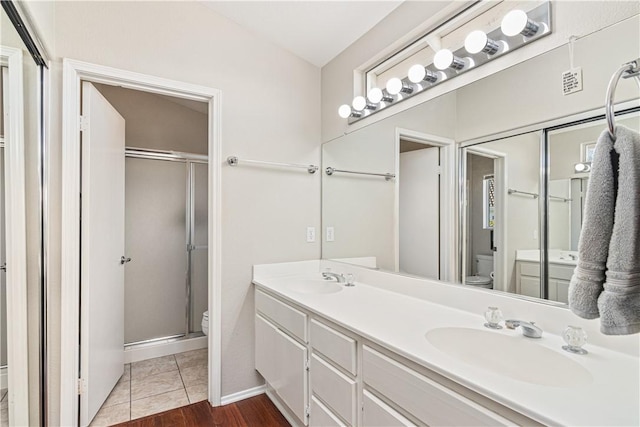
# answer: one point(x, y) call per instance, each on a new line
point(265, 211)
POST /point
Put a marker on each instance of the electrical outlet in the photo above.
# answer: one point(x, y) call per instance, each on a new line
point(311, 234)
point(330, 234)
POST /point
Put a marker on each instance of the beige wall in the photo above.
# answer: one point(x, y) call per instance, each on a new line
point(270, 111)
point(362, 209)
point(158, 122)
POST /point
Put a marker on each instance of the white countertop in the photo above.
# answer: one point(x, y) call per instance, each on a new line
point(556, 256)
point(400, 322)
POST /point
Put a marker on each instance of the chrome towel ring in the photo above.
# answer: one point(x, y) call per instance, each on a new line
point(630, 69)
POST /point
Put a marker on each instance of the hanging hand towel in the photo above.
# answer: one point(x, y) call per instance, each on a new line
point(593, 248)
point(610, 237)
point(619, 303)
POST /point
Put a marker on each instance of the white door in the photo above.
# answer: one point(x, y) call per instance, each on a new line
point(102, 273)
point(419, 216)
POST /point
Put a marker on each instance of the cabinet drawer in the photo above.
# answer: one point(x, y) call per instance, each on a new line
point(294, 321)
point(321, 416)
point(376, 413)
point(334, 388)
point(337, 347)
point(281, 361)
point(530, 269)
point(428, 401)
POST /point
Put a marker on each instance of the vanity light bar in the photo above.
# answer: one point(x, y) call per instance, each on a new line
point(518, 28)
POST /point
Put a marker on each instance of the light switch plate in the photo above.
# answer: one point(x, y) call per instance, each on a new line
point(330, 234)
point(311, 234)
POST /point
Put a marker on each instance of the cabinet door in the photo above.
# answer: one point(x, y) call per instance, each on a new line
point(562, 289)
point(530, 286)
point(281, 361)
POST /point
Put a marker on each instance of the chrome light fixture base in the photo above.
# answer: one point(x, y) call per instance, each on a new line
point(500, 45)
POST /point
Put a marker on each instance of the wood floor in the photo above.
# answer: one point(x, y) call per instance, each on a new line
point(257, 411)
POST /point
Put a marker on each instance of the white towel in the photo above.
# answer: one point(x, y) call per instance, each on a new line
point(610, 238)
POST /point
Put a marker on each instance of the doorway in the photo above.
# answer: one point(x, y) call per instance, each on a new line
point(425, 205)
point(419, 209)
point(157, 346)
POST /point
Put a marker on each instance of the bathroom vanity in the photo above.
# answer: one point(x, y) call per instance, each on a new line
point(561, 266)
point(395, 350)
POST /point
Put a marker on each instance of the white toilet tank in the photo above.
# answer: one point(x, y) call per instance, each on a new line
point(484, 270)
point(484, 265)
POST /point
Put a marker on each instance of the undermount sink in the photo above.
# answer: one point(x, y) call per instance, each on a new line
point(313, 286)
point(512, 356)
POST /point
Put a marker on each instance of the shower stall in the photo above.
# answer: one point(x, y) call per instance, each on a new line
point(166, 280)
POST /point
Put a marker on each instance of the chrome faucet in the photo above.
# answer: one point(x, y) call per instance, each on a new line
point(329, 275)
point(529, 329)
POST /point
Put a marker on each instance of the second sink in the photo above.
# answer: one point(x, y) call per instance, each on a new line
point(513, 357)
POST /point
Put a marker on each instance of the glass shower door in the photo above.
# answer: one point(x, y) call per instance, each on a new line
point(156, 233)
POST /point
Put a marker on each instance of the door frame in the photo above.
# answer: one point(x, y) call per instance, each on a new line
point(448, 208)
point(16, 237)
point(73, 73)
point(501, 192)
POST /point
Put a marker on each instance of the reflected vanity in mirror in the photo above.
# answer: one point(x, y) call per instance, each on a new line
point(503, 209)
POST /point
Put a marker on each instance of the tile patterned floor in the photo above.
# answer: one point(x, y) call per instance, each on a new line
point(156, 385)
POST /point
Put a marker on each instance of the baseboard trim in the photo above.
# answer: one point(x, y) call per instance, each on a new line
point(164, 349)
point(244, 394)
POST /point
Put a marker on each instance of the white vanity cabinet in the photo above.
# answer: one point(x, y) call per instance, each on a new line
point(321, 374)
point(528, 280)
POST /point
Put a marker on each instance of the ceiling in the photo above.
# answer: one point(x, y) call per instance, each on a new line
point(316, 31)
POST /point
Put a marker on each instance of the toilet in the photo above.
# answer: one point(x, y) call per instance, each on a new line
point(205, 323)
point(484, 272)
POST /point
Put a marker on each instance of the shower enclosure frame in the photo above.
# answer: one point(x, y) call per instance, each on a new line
point(190, 159)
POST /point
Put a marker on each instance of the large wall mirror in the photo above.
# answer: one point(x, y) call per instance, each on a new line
point(454, 188)
point(21, 237)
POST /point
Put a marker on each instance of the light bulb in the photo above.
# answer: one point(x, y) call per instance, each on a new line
point(418, 74)
point(394, 86)
point(375, 95)
point(517, 22)
point(444, 59)
point(344, 111)
point(359, 103)
point(477, 41)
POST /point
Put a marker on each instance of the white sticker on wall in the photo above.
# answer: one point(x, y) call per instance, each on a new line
point(572, 81)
